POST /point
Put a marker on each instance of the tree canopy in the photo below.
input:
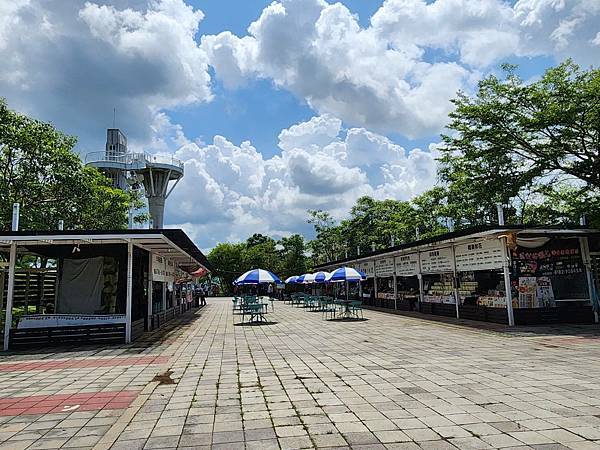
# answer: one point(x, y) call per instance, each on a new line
point(521, 144)
point(39, 170)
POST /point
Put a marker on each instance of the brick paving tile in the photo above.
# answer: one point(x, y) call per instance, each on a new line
point(268, 444)
point(403, 383)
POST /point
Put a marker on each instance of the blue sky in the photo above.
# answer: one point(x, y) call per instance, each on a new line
point(259, 111)
point(320, 104)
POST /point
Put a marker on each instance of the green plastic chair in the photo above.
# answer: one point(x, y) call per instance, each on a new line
point(355, 307)
point(255, 311)
point(330, 308)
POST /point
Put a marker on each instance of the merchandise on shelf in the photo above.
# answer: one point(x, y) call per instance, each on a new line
point(493, 299)
point(440, 292)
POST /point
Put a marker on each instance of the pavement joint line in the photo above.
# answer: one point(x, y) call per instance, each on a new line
point(111, 436)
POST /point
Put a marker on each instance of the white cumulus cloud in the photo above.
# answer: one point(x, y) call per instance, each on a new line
point(230, 191)
point(73, 62)
point(399, 73)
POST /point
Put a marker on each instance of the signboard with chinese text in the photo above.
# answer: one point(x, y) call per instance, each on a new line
point(407, 265)
point(384, 267)
point(481, 255)
point(64, 320)
point(437, 261)
point(367, 267)
point(162, 269)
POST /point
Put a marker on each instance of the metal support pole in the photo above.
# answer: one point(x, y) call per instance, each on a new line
point(421, 293)
point(164, 296)
point(421, 287)
point(455, 283)
point(395, 292)
point(375, 286)
point(15, 216)
point(2, 289)
point(507, 286)
point(360, 292)
point(10, 295)
point(150, 301)
point(587, 262)
point(128, 304)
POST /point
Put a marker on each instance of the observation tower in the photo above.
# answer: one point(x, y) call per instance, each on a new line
point(158, 175)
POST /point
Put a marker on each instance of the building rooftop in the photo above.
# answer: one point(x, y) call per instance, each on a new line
point(169, 242)
point(475, 232)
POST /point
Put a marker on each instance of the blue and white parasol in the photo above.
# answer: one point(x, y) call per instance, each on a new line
point(257, 276)
point(321, 277)
point(346, 274)
point(292, 280)
point(304, 279)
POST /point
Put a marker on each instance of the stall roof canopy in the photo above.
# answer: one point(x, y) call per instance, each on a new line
point(464, 234)
point(170, 243)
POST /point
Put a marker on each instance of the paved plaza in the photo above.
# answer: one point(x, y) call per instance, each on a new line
point(389, 381)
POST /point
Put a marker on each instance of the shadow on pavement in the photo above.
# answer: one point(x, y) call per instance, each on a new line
point(588, 331)
point(254, 324)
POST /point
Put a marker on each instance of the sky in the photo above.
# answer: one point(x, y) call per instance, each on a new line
point(276, 107)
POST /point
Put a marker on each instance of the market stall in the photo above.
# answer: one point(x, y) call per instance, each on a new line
point(386, 291)
point(437, 269)
point(552, 275)
point(481, 286)
point(366, 288)
point(105, 283)
point(407, 282)
point(549, 278)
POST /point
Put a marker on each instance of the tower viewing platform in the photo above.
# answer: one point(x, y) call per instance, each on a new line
point(155, 172)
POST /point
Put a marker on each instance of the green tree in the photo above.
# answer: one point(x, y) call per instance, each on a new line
point(227, 262)
point(261, 253)
point(292, 256)
point(378, 223)
point(39, 170)
point(328, 243)
point(514, 141)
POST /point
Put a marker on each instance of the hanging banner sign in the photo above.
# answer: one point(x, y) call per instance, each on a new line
point(384, 267)
point(437, 261)
point(162, 269)
point(407, 265)
point(66, 320)
point(481, 255)
point(367, 267)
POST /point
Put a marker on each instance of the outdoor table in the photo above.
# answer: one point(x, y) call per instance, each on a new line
point(256, 311)
point(346, 312)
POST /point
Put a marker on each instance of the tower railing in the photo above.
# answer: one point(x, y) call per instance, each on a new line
point(131, 159)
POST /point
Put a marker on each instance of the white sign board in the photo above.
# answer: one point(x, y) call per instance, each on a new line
point(480, 255)
point(162, 269)
point(437, 261)
point(65, 320)
point(384, 267)
point(367, 267)
point(407, 265)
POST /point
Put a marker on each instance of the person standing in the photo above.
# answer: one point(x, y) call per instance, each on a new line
point(202, 297)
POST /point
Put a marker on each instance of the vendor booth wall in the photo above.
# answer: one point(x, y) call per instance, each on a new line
point(114, 274)
point(549, 273)
point(81, 286)
point(114, 268)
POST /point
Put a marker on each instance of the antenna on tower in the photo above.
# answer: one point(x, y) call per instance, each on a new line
point(114, 117)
